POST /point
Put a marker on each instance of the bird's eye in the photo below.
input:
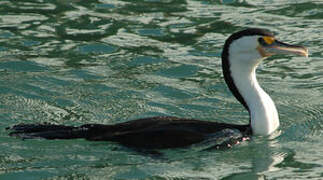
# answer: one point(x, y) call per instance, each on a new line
point(261, 41)
point(266, 40)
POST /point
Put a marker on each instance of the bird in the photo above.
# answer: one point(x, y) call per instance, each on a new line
point(243, 51)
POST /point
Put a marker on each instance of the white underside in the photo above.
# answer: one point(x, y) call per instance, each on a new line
point(263, 112)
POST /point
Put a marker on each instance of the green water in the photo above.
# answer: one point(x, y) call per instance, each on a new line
point(109, 61)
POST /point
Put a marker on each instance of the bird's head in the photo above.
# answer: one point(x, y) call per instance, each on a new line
point(251, 45)
point(244, 50)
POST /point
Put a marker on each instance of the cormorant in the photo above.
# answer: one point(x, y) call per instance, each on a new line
point(242, 53)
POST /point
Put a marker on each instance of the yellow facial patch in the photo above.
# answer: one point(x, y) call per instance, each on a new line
point(269, 40)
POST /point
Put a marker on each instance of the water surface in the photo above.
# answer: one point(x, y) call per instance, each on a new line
point(109, 61)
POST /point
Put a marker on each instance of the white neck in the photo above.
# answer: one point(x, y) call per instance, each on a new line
point(264, 115)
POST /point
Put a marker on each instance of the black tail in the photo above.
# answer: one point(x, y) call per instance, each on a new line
point(51, 131)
